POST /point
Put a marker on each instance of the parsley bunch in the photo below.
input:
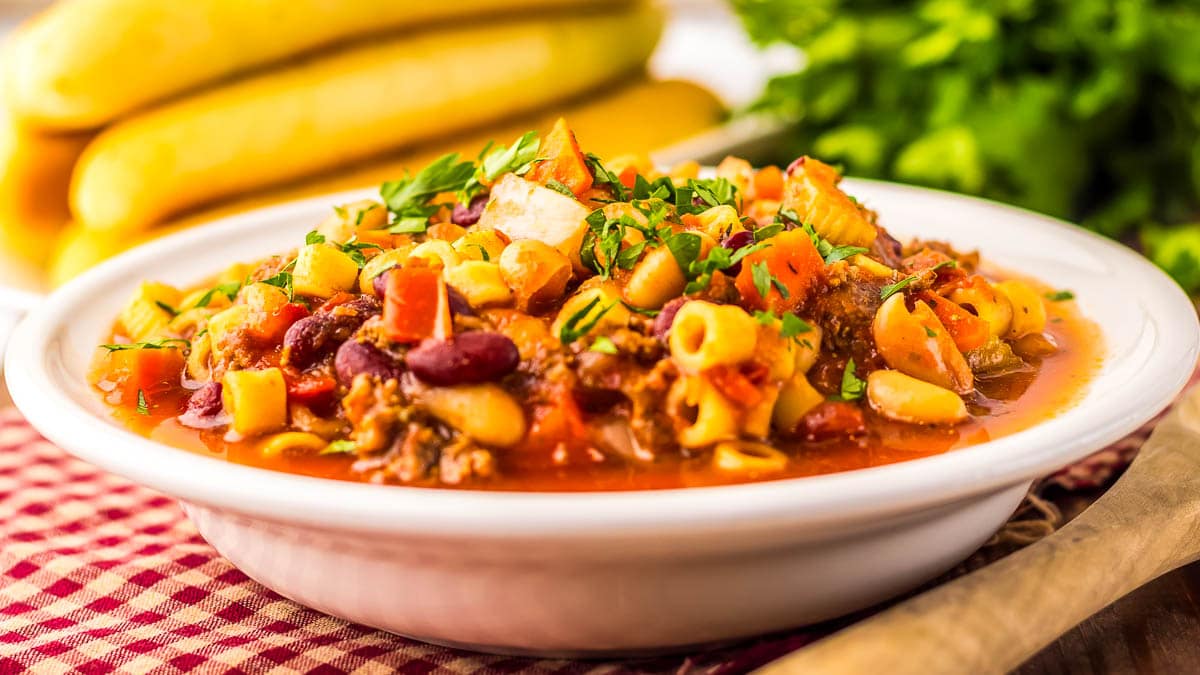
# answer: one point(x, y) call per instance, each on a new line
point(1084, 109)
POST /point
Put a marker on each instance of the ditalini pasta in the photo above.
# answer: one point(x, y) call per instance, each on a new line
point(541, 319)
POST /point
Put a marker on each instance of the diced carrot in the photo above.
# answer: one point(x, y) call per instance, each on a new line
point(628, 176)
point(768, 183)
point(793, 262)
point(123, 373)
point(560, 159)
point(270, 328)
point(734, 386)
point(967, 330)
point(381, 238)
point(416, 305)
point(309, 388)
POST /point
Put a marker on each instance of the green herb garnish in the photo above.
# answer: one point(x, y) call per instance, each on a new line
point(852, 387)
point(340, 447)
point(229, 289)
point(604, 345)
point(284, 281)
point(143, 408)
point(407, 199)
point(576, 327)
point(497, 160)
point(161, 343)
point(560, 187)
point(1059, 296)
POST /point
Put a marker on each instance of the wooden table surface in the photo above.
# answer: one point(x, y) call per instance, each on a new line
point(1154, 630)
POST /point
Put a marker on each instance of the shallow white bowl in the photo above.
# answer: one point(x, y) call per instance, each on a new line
point(619, 572)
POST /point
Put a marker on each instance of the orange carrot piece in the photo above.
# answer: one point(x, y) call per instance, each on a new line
point(416, 305)
point(967, 330)
point(150, 370)
point(768, 183)
point(793, 261)
point(561, 160)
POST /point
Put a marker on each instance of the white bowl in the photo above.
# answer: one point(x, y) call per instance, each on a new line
point(619, 572)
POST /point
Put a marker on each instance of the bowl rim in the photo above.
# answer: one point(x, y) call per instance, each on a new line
point(817, 501)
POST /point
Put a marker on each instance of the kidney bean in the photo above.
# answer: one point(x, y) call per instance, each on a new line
point(310, 338)
point(666, 317)
point(734, 242)
point(469, 215)
point(468, 357)
point(832, 419)
point(355, 357)
point(458, 303)
point(203, 407)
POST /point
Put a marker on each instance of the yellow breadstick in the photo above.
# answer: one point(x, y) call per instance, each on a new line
point(294, 122)
point(610, 124)
point(35, 169)
point(82, 64)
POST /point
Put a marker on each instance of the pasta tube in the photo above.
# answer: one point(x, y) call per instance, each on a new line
point(293, 122)
point(611, 124)
point(82, 64)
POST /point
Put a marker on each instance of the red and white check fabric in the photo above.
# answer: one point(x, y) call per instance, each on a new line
point(99, 575)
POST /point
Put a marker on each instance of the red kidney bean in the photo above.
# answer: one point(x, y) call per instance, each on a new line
point(310, 338)
point(666, 317)
point(379, 283)
point(467, 357)
point(470, 214)
point(203, 407)
point(832, 419)
point(354, 358)
point(734, 242)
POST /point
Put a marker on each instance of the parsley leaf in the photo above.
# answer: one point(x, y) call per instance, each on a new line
point(340, 447)
point(354, 250)
point(408, 198)
point(283, 280)
point(143, 408)
point(495, 161)
point(714, 191)
point(762, 278)
point(314, 237)
point(602, 176)
point(576, 327)
point(638, 310)
point(929, 332)
point(832, 254)
point(1059, 296)
point(892, 289)
point(852, 387)
point(793, 325)
point(685, 248)
point(161, 343)
point(167, 308)
point(768, 231)
point(560, 187)
point(604, 345)
point(229, 289)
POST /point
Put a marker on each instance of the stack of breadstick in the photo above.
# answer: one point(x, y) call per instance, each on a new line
point(126, 119)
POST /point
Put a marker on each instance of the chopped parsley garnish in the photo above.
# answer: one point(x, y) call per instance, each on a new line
point(1059, 296)
point(143, 408)
point(602, 176)
point(497, 160)
point(638, 310)
point(560, 187)
point(852, 387)
point(764, 280)
point(714, 191)
point(407, 199)
point(161, 343)
point(930, 332)
point(892, 289)
point(790, 325)
point(483, 252)
point(576, 327)
point(229, 289)
point(604, 345)
point(340, 447)
point(832, 254)
point(314, 237)
point(829, 253)
point(768, 231)
point(354, 250)
point(283, 280)
point(167, 308)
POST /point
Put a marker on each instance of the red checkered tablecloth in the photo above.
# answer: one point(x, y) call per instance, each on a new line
point(99, 575)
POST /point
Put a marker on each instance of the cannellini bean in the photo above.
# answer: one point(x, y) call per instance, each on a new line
point(916, 343)
point(1028, 310)
point(904, 398)
point(485, 412)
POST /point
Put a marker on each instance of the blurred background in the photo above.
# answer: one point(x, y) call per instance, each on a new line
point(122, 120)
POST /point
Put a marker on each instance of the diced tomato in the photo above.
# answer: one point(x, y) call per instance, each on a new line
point(309, 388)
point(339, 298)
point(270, 328)
point(562, 160)
point(768, 183)
point(793, 262)
point(928, 258)
point(557, 433)
point(416, 305)
point(833, 419)
point(735, 386)
point(968, 331)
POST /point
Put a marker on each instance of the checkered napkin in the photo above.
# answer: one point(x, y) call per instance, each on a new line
point(99, 575)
